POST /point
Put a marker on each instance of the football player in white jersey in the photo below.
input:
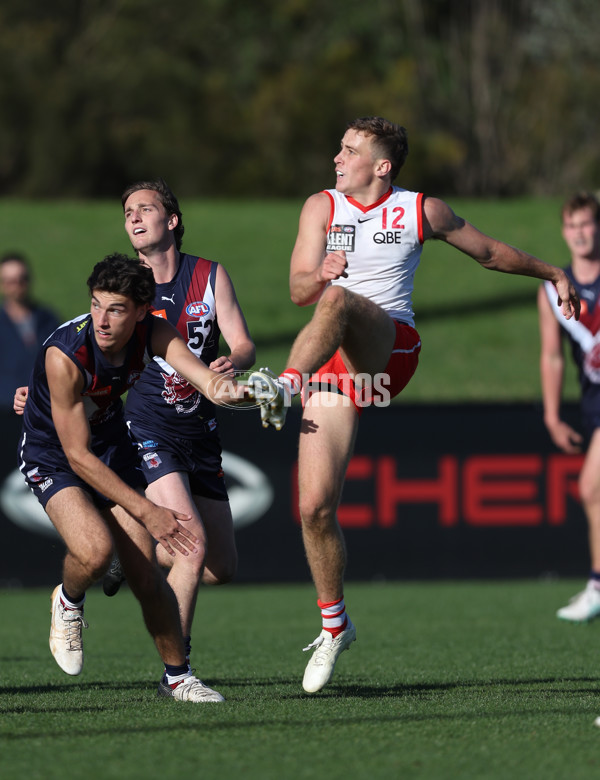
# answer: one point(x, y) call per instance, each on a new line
point(355, 256)
point(580, 216)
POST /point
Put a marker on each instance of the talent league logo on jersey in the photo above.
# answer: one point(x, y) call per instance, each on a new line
point(341, 237)
point(197, 309)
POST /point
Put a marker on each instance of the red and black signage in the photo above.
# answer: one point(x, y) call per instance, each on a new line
point(433, 491)
point(444, 491)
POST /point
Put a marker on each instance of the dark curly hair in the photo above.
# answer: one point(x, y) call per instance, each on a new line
point(123, 275)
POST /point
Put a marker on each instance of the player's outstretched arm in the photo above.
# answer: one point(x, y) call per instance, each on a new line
point(68, 414)
point(219, 388)
point(439, 221)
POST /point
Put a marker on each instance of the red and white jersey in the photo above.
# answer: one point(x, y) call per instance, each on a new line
point(383, 244)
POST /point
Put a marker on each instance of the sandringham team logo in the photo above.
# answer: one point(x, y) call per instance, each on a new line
point(176, 388)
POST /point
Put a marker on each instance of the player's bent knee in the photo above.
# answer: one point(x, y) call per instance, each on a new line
point(221, 573)
point(333, 296)
point(589, 488)
point(95, 561)
point(589, 494)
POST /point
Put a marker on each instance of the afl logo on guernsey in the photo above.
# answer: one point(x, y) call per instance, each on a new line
point(197, 309)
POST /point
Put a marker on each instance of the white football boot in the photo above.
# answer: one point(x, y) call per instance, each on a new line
point(272, 396)
point(319, 669)
point(189, 689)
point(66, 641)
point(583, 607)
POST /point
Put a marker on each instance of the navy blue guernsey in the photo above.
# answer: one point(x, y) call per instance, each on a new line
point(584, 338)
point(163, 399)
point(104, 384)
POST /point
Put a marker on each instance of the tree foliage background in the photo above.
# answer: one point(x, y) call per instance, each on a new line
point(250, 97)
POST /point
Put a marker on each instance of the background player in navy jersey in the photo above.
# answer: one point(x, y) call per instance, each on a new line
point(173, 424)
point(80, 463)
point(580, 216)
point(355, 256)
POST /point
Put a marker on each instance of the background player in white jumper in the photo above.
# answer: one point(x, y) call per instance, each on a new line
point(362, 325)
point(580, 217)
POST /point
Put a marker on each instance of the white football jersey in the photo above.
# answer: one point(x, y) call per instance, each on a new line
point(383, 244)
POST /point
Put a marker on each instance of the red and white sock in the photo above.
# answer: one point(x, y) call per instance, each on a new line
point(334, 616)
point(292, 379)
point(176, 674)
point(67, 603)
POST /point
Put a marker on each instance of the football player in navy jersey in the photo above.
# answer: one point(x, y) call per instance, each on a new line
point(79, 461)
point(174, 425)
point(355, 256)
point(580, 216)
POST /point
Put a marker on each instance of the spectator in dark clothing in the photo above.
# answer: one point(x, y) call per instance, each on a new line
point(24, 326)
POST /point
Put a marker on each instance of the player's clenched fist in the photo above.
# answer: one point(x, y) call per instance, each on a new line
point(334, 266)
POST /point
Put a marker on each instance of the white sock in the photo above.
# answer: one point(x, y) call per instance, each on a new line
point(69, 604)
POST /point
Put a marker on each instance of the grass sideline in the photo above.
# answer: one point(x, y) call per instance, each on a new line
point(446, 680)
point(479, 329)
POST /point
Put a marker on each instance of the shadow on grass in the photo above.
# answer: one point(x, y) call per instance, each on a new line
point(407, 689)
point(236, 715)
point(333, 690)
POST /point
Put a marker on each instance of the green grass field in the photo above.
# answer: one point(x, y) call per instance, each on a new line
point(446, 680)
point(479, 329)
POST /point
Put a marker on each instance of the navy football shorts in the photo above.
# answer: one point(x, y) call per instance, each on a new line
point(47, 470)
point(199, 458)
